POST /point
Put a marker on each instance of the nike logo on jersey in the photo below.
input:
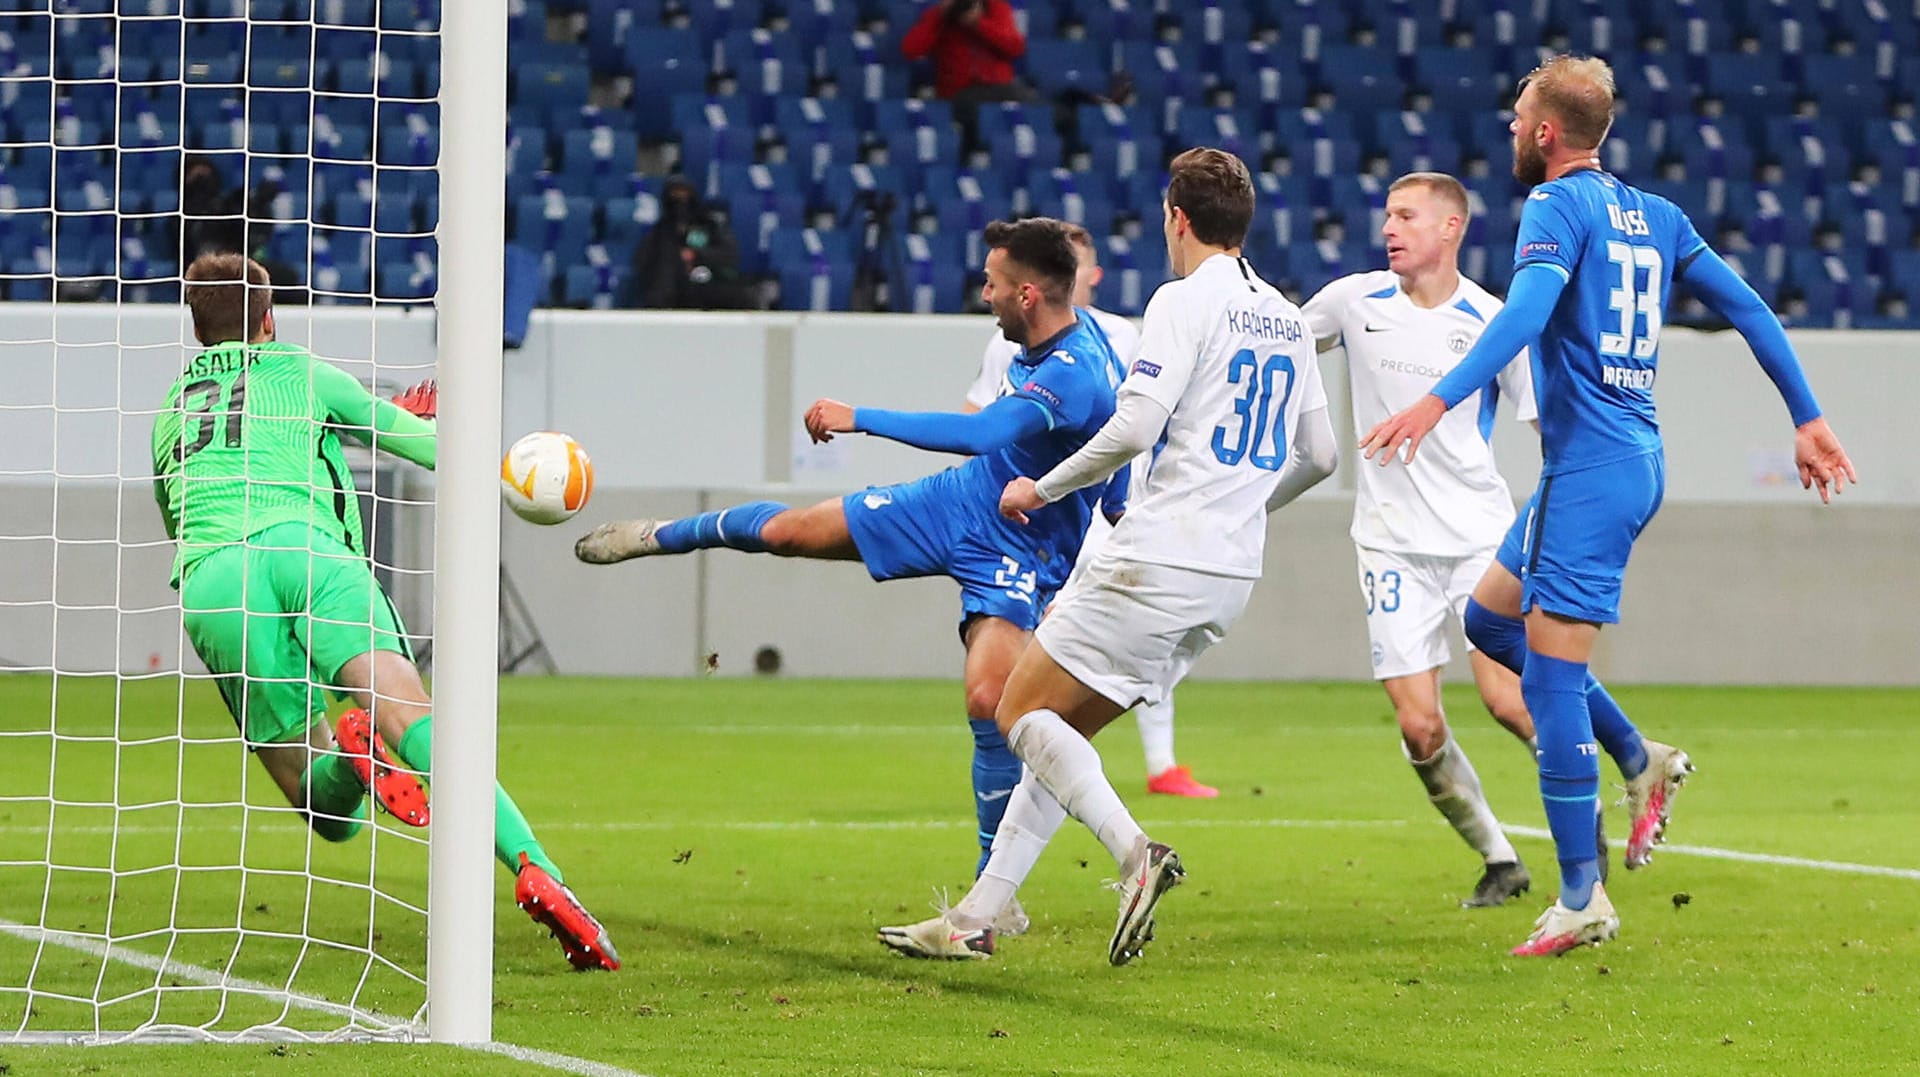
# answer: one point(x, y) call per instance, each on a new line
point(999, 794)
point(1378, 328)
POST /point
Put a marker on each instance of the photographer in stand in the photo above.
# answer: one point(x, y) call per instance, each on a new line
point(689, 260)
point(973, 44)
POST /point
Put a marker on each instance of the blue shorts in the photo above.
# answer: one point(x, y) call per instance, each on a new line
point(1570, 546)
point(942, 526)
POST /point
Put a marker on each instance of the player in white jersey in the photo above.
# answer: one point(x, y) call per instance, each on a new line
point(1227, 369)
point(1164, 772)
point(1424, 534)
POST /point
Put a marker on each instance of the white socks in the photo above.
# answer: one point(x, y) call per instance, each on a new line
point(1156, 734)
point(1455, 790)
point(1032, 818)
point(1069, 766)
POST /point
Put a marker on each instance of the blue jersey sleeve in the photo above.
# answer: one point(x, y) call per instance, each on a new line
point(1063, 387)
point(1687, 244)
point(1551, 233)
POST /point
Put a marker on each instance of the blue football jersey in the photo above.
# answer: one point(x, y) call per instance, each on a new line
point(1073, 378)
point(1593, 367)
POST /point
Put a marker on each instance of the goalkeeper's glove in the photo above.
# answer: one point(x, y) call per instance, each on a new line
point(422, 399)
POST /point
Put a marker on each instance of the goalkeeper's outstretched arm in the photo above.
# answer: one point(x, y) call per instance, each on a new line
point(378, 424)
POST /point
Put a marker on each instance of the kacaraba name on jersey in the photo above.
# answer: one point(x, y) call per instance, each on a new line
point(1626, 377)
point(1255, 324)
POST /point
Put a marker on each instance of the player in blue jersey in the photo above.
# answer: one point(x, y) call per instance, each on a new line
point(1060, 390)
point(1593, 265)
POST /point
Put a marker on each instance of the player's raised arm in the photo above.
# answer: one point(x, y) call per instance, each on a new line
point(996, 426)
point(1816, 450)
point(376, 423)
point(1536, 289)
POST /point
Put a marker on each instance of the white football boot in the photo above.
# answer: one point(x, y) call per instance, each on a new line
point(1560, 929)
point(621, 540)
point(1650, 800)
point(1152, 870)
point(940, 940)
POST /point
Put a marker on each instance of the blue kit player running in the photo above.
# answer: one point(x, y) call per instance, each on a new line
point(1059, 391)
point(1593, 265)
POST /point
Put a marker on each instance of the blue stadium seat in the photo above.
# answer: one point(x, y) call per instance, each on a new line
point(1057, 67)
point(1133, 271)
point(627, 220)
point(1359, 82)
point(557, 89)
point(1121, 142)
point(817, 132)
point(1117, 20)
point(213, 52)
point(665, 63)
point(1282, 211)
point(554, 226)
point(609, 22)
point(815, 268)
point(966, 205)
point(1162, 74)
point(407, 269)
point(764, 63)
point(814, 23)
point(864, 70)
point(932, 277)
point(919, 136)
point(417, 15)
point(1317, 142)
point(1711, 151)
point(600, 148)
point(596, 285)
point(1264, 79)
point(1227, 129)
point(717, 137)
point(714, 19)
point(1080, 197)
point(762, 199)
point(1414, 142)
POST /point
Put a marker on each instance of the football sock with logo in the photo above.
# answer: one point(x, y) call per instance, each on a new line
point(1504, 639)
point(512, 835)
point(737, 528)
point(331, 793)
point(1555, 691)
point(996, 771)
point(1069, 766)
point(1032, 818)
point(1454, 788)
point(1156, 734)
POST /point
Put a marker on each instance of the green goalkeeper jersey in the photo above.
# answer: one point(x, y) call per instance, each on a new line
point(250, 437)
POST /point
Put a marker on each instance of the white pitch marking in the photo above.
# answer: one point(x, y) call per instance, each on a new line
point(395, 1027)
point(1708, 852)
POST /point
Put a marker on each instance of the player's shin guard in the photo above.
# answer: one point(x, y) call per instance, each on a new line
point(996, 770)
point(511, 833)
point(1555, 692)
point(335, 801)
point(1069, 766)
point(737, 528)
point(1454, 788)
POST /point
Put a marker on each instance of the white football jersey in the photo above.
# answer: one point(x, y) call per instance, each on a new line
point(1234, 364)
point(1450, 501)
point(1122, 337)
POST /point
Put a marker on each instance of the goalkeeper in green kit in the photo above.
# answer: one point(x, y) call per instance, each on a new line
point(276, 592)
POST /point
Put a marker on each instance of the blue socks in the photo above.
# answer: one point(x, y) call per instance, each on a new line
point(996, 770)
point(1556, 695)
point(1504, 639)
point(736, 528)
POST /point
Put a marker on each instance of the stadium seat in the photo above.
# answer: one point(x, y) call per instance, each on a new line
point(865, 72)
point(1080, 197)
point(1057, 68)
point(554, 226)
point(665, 63)
point(1358, 80)
point(1133, 271)
point(762, 199)
point(932, 277)
point(815, 268)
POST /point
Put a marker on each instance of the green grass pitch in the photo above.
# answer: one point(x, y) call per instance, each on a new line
point(742, 840)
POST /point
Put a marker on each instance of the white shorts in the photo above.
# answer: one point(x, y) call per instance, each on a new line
point(1131, 630)
point(1408, 597)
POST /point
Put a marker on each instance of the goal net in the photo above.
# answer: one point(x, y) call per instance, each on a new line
point(154, 881)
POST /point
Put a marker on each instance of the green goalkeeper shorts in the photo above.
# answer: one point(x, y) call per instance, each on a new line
point(275, 619)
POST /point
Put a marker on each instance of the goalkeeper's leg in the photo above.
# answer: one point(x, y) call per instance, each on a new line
point(246, 638)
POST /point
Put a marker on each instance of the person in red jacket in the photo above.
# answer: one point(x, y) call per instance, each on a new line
point(973, 44)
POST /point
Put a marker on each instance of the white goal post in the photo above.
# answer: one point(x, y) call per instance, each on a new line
point(155, 885)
